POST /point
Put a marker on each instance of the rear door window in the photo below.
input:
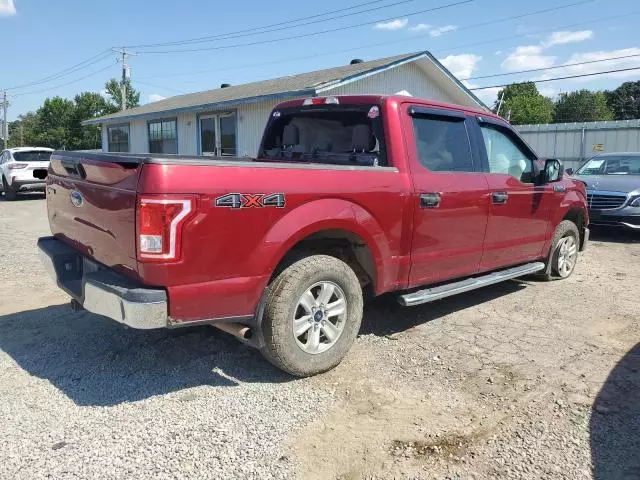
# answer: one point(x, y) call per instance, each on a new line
point(442, 143)
point(326, 134)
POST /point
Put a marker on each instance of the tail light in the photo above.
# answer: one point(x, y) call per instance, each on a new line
point(16, 166)
point(321, 101)
point(160, 221)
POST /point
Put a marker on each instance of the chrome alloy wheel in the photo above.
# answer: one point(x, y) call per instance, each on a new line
point(320, 317)
point(567, 255)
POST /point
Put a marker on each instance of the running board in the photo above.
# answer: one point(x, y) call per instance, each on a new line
point(436, 293)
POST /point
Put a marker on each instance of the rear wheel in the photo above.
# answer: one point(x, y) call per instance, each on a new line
point(564, 251)
point(9, 193)
point(312, 316)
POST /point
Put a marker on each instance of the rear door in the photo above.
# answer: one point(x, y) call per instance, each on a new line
point(451, 205)
point(520, 209)
point(91, 201)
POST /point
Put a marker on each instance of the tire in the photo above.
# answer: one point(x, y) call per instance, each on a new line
point(566, 235)
point(294, 295)
point(9, 193)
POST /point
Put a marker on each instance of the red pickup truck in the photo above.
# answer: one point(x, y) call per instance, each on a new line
point(348, 195)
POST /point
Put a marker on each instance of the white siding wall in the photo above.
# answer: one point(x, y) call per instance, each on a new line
point(138, 143)
point(187, 133)
point(407, 77)
point(251, 122)
point(105, 139)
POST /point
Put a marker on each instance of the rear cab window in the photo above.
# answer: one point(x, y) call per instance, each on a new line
point(326, 134)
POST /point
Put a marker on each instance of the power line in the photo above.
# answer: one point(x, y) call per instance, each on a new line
point(403, 40)
point(559, 78)
point(252, 31)
point(552, 68)
point(66, 83)
point(312, 34)
point(66, 72)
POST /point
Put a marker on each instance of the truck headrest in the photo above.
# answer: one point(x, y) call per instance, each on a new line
point(290, 135)
point(362, 139)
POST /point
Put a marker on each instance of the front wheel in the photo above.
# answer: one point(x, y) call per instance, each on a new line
point(312, 316)
point(564, 251)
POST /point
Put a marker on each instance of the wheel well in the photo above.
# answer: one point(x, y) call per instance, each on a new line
point(576, 216)
point(342, 244)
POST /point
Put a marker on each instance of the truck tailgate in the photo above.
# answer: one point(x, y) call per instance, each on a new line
point(91, 200)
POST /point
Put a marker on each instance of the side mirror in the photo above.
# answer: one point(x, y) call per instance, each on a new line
point(569, 171)
point(553, 171)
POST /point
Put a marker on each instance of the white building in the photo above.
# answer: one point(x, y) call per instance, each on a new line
point(230, 120)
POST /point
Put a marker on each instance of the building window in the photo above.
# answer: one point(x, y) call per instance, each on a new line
point(118, 138)
point(163, 136)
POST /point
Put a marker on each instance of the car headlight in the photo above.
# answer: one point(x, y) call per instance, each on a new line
point(635, 202)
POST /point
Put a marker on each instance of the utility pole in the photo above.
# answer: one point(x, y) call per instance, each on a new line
point(126, 75)
point(500, 103)
point(5, 122)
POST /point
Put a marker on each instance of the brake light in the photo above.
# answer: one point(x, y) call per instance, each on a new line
point(160, 222)
point(320, 101)
point(16, 166)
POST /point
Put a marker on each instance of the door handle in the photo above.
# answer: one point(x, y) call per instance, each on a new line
point(499, 197)
point(430, 200)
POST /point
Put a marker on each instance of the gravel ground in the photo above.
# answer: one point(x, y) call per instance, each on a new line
point(519, 380)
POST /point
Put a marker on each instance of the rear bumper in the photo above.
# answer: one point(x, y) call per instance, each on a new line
point(101, 290)
point(28, 185)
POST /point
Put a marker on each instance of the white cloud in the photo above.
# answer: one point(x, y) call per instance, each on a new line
point(7, 8)
point(421, 27)
point(397, 24)
point(599, 66)
point(498, 52)
point(547, 91)
point(563, 37)
point(527, 57)
point(436, 32)
point(154, 97)
point(462, 66)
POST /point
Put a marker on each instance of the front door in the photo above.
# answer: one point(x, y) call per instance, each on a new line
point(520, 209)
point(218, 134)
point(450, 194)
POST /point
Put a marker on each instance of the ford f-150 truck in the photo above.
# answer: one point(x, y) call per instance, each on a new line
point(348, 196)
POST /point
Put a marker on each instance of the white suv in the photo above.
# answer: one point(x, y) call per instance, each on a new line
point(23, 170)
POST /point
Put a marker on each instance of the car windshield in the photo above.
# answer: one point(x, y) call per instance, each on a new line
point(328, 134)
point(32, 156)
point(618, 165)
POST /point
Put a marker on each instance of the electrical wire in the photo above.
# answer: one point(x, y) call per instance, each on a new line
point(552, 68)
point(252, 31)
point(64, 73)
point(558, 78)
point(66, 83)
point(403, 40)
point(311, 34)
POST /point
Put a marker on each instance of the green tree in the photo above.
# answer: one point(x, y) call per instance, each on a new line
point(524, 89)
point(53, 123)
point(523, 104)
point(582, 106)
point(87, 105)
point(115, 94)
point(624, 101)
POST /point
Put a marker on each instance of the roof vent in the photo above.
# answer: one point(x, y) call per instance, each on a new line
point(225, 85)
point(356, 61)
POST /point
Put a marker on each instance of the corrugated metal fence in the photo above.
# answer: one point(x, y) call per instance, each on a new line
point(574, 142)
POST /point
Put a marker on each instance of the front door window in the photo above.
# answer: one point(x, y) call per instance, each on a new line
point(218, 134)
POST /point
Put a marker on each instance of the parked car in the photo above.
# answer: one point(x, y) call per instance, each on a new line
point(23, 170)
point(348, 195)
point(613, 189)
